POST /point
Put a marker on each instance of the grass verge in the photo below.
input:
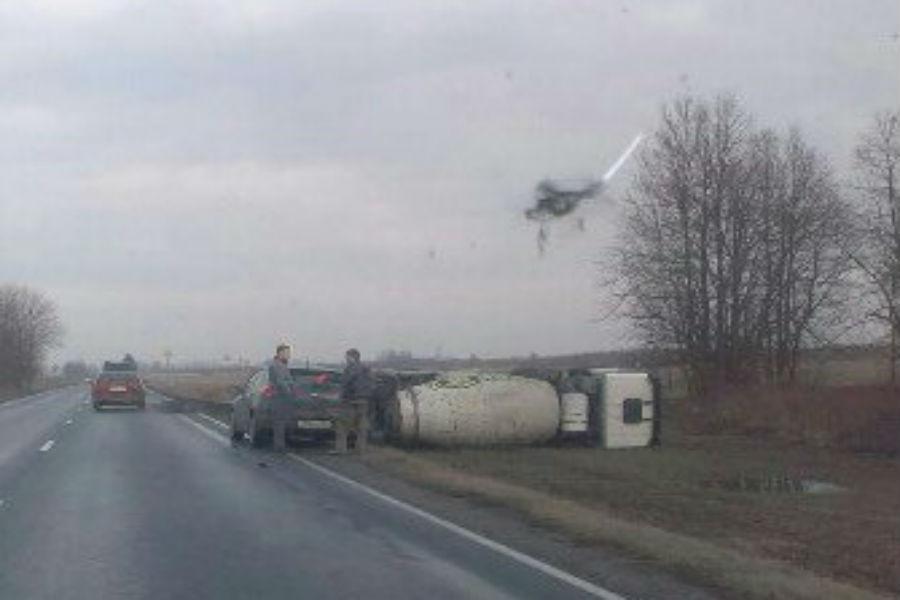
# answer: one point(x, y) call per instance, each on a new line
point(739, 573)
point(210, 386)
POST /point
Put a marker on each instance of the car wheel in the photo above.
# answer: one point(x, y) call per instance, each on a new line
point(97, 406)
point(142, 406)
point(256, 433)
point(236, 434)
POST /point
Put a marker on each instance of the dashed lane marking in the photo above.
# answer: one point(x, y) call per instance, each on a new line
point(47, 445)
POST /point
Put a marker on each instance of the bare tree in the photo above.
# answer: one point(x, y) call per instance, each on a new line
point(732, 249)
point(877, 161)
point(29, 328)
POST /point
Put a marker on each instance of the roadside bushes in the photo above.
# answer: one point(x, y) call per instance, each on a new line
point(855, 418)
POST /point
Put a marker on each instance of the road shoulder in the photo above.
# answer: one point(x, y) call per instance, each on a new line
point(628, 576)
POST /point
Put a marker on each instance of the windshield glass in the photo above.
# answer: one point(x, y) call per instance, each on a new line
point(451, 299)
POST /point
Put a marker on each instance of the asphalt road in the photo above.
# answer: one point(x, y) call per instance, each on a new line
point(155, 504)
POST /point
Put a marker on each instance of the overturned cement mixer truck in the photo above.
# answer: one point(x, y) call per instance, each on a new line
point(604, 407)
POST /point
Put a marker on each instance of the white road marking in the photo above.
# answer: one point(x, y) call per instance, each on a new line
point(32, 398)
point(515, 555)
point(213, 420)
point(208, 432)
point(2, 502)
point(41, 396)
point(47, 445)
point(69, 422)
point(11, 403)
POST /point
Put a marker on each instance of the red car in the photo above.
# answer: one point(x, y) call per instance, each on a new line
point(118, 389)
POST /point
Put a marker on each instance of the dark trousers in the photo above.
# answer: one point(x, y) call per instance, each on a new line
point(281, 414)
point(279, 433)
point(354, 417)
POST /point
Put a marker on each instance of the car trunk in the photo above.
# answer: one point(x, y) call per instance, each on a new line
point(117, 386)
point(319, 393)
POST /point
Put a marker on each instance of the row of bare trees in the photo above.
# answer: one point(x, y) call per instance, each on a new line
point(878, 254)
point(29, 328)
point(740, 248)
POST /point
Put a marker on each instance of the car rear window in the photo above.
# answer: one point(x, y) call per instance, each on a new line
point(117, 377)
point(118, 367)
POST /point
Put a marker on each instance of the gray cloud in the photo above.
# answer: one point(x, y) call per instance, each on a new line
point(210, 176)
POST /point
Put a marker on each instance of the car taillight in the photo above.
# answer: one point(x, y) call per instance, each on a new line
point(268, 392)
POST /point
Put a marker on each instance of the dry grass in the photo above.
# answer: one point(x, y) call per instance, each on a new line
point(727, 566)
point(858, 418)
point(210, 386)
point(870, 367)
point(8, 392)
point(859, 367)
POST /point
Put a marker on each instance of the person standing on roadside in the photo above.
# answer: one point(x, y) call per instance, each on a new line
point(283, 400)
point(356, 391)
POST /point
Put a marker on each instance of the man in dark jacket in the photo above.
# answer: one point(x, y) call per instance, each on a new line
point(283, 400)
point(356, 390)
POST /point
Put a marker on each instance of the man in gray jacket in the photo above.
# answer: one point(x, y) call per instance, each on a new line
point(283, 401)
point(356, 391)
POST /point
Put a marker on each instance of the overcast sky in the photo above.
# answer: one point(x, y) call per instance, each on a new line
point(214, 177)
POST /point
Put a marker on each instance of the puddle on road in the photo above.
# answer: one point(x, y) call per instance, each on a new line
point(814, 486)
point(778, 484)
